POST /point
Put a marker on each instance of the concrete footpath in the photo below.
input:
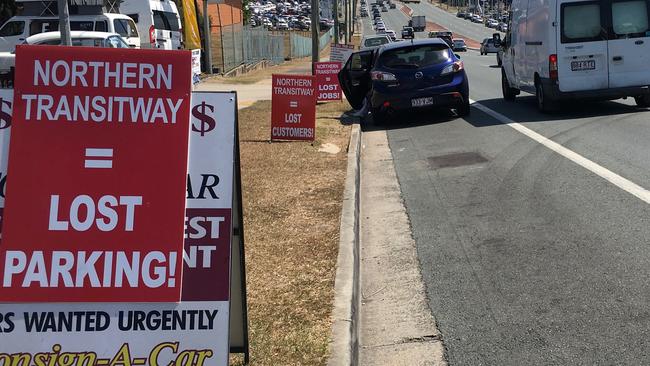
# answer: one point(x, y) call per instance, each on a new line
point(396, 325)
point(380, 314)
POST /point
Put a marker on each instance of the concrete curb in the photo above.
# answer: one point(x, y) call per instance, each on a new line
point(344, 340)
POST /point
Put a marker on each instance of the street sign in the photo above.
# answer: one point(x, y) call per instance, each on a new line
point(195, 331)
point(341, 52)
point(327, 81)
point(94, 209)
point(293, 115)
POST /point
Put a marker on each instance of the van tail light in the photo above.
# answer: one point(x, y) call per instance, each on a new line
point(552, 67)
point(382, 76)
point(152, 36)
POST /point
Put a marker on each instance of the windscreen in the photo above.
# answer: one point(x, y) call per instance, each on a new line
point(415, 57)
point(14, 28)
point(374, 42)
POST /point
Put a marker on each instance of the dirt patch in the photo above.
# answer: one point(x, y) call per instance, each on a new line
point(292, 204)
point(407, 10)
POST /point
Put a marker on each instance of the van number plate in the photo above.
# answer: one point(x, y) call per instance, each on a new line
point(583, 65)
point(422, 102)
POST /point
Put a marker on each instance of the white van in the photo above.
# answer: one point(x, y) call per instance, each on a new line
point(18, 28)
point(158, 22)
point(567, 49)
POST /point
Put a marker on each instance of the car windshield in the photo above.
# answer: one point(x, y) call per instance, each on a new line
point(373, 42)
point(415, 56)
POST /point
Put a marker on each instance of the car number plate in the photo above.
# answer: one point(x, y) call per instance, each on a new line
point(422, 102)
point(583, 65)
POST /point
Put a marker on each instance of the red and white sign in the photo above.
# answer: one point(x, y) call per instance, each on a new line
point(206, 275)
point(195, 329)
point(98, 161)
point(293, 111)
point(341, 52)
point(6, 110)
point(327, 81)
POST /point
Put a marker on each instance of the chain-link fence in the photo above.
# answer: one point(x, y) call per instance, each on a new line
point(239, 45)
point(301, 45)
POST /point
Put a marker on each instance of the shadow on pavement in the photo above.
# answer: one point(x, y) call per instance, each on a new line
point(524, 109)
point(410, 119)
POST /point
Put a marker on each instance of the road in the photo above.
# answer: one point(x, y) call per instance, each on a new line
point(434, 14)
point(530, 257)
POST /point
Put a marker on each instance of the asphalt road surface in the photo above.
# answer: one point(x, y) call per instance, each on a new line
point(532, 230)
point(476, 31)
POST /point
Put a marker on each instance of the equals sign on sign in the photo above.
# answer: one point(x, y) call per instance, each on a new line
point(99, 158)
point(293, 104)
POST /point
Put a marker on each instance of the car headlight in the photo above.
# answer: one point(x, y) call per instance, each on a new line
point(453, 68)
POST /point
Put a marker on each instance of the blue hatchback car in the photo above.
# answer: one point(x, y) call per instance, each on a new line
point(405, 76)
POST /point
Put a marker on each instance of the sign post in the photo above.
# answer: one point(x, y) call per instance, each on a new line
point(293, 108)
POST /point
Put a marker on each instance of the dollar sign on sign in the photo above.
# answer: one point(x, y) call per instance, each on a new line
point(5, 118)
point(205, 122)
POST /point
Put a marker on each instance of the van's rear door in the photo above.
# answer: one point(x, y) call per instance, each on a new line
point(582, 46)
point(629, 43)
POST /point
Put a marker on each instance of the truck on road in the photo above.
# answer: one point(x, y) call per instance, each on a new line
point(418, 22)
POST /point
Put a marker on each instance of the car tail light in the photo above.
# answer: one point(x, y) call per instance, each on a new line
point(382, 76)
point(152, 36)
point(552, 67)
point(453, 68)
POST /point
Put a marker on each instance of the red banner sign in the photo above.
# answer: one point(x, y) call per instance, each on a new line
point(293, 115)
point(327, 81)
point(98, 164)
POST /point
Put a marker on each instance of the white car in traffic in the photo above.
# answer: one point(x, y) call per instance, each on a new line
point(79, 38)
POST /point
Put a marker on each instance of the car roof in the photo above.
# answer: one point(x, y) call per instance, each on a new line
point(74, 17)
point(74, 34)
point(418, 42)
point(375, 36)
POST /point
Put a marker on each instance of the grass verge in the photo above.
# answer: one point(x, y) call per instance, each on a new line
point(292, 205)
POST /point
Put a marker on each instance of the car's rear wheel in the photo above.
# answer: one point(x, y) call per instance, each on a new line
point(544, 104)
point(508, 92)
point(643, 101)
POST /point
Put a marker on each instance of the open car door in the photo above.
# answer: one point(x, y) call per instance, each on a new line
point(355, 77)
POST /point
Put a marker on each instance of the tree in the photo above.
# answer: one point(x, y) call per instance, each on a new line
point(7, 10)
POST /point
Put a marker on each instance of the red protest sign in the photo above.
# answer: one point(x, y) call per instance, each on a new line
point(327, 81)
point(95, 205)
point(293, 109)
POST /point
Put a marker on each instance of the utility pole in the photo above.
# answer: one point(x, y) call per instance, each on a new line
point(64, 23)
point(207, 37)
point(336, 20)
point(315, 27)
point(347, 21)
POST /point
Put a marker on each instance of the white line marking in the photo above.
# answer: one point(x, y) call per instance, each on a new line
point(622, 183)
point(99, 164)
point(99, 153)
